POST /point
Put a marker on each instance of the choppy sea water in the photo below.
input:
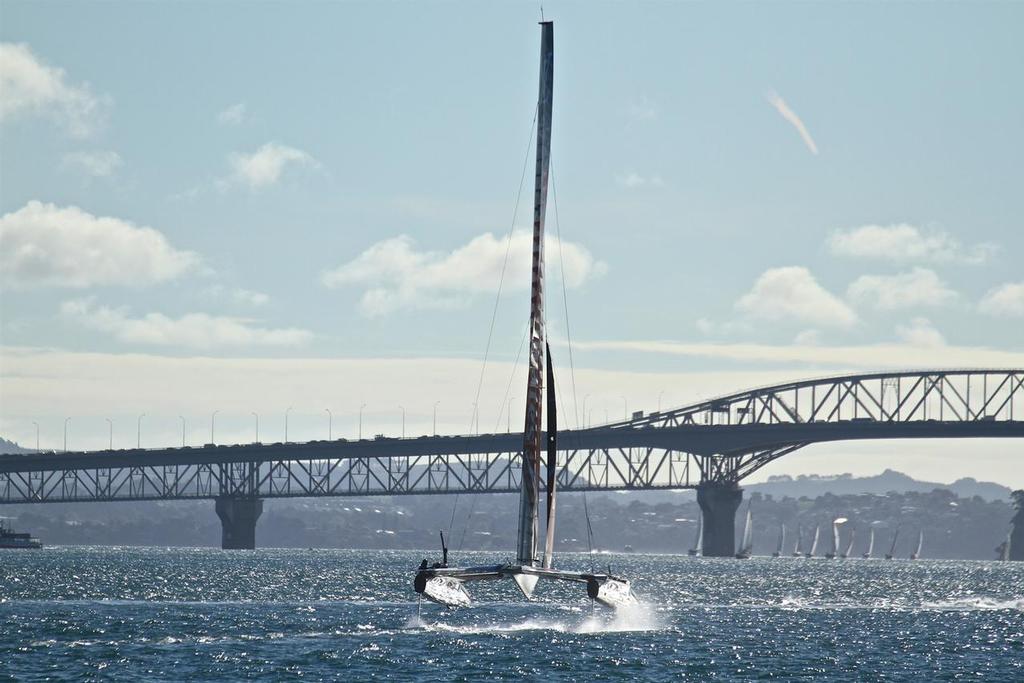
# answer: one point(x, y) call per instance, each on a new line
point(178, 614)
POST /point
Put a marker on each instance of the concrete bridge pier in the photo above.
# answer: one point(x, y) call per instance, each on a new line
point(238, 522)
point(718, 504)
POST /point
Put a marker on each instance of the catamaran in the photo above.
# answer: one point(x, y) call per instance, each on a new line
point(796, 548)
point(834, 550)
point(446, 585)
point(920, 541)
point(814, 543)
point(871, 545)
point(892, 549)
point(747, 544)
point(698, 543)
point(782, 540)
point(849, 546)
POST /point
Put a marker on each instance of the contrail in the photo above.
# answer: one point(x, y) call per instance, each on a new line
point(790, 115)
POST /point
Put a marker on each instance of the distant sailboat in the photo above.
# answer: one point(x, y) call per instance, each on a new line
point(747, 545)
point(698, 543)
point(834, 550)
point(849, 546)
point(814, 543)
point(796, 548)
point(1003, 551)
point(920, 541)
point(871, 545)
point(892, 549)
point(782, 540)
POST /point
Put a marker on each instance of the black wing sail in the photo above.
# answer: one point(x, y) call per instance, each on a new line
point(549, 540)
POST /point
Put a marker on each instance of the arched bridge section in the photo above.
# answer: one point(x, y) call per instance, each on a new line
point(710, 446)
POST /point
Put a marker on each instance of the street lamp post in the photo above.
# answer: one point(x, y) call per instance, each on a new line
point(256, 415)
point(474, 423)
point(435, 417)
point(138, 436)
point(508, 416)
point(585, 410)
point(330, 424)
point(289, 409)
point(182, 418)
point(37, 435)
point(361, 421)
point(110, 423)
point(403, 421)
point(213, 422)
point(660, 394)
point(625, 408)
point(66, 419)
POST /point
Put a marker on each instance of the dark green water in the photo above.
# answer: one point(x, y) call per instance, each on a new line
point(176, 614)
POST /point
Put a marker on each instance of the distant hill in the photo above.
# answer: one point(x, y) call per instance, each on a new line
point(812, 486)
point(11, 448)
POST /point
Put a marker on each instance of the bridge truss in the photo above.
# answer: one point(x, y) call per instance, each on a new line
point(719, 441)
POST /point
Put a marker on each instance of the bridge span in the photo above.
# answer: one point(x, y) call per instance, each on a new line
point(710, 446)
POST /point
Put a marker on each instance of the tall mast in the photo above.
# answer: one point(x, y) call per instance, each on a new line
point(526, 552)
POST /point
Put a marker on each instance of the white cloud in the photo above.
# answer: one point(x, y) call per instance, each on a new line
point(265, 166)
point(28, 86)
point(780, 105)
point(1007, 299)
point(46, 245)
point(192, 330)
point(920, 347)
point(792, 293)
point(233, 115)
point(633, 179)
point(808, 338)
point(100, 164)
point(398, 276)
point(238, 295)
point(903, 243)
point(920, 332)
point(919, 287)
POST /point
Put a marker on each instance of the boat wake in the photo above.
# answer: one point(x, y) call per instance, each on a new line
point(637, 618)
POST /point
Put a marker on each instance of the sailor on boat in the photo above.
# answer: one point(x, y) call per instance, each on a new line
point(446, 585)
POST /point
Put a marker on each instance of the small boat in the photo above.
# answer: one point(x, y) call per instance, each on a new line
point(814, 543)
point(446, 585)
point(892, 549)
point(9, 538)
point(871, 545)
point(1003, 549)
point(834, 550)
point(747, 544)
point(849, 546)
point(782, 540)
point(920, 541)
point(698, 543)
point(796, 548)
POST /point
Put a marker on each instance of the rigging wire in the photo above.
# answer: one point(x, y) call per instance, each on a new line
point(451, 522)
point(469, 518)
point(504, 267)
point(572, 365)
point(511, 378)
point(497, 300)
point(565, 298)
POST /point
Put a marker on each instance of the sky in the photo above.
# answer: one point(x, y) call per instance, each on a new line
point(305, 208)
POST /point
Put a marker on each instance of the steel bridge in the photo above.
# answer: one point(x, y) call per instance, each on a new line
point(710, 446)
